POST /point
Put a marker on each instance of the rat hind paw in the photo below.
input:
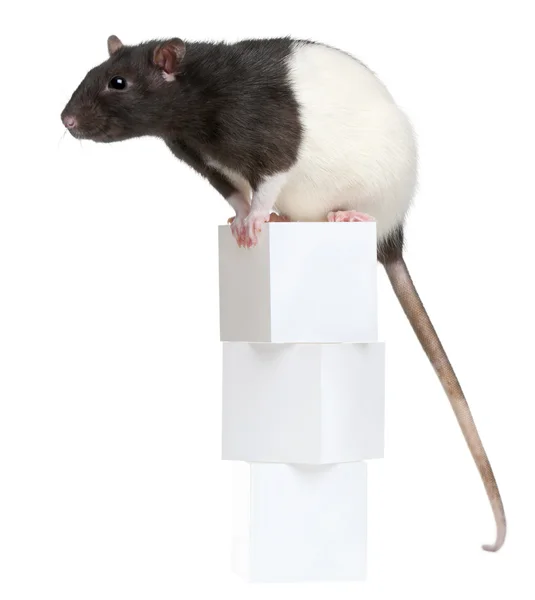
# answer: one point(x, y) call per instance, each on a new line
point(348, 216)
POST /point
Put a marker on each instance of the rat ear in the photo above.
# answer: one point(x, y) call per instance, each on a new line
point(114, 44)
point(168, 56)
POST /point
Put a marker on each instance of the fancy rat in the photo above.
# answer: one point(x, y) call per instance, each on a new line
point(285, 125)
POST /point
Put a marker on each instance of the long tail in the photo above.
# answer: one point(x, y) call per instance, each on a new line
point(404, 289)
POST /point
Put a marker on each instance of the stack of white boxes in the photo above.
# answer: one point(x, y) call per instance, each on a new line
point(303, 397)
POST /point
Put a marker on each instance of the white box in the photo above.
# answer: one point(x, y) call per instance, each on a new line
point(297, 523)
point(303, 282)
point(303, 403)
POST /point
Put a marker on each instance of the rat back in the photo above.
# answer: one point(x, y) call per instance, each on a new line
point(357, 151)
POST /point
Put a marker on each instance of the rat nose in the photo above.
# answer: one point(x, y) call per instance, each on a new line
point(69, 121)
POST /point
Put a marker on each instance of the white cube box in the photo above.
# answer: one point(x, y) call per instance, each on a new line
point(297, 523)
point(303, 282)
point(303, 403)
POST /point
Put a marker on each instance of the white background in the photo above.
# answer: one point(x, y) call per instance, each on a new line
point(111, 483)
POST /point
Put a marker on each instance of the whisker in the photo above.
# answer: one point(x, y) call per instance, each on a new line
point(61, 138)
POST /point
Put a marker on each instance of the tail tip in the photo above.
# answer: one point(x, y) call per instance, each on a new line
point(493, 547)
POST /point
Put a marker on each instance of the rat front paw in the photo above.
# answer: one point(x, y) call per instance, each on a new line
point(245, 229)
point(253, 226)
point(237, 227)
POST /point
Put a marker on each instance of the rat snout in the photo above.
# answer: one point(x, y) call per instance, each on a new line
point(69, 121)
point(86, 123)
point(72, 123)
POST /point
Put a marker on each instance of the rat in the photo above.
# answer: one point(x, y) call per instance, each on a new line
point(283, 129)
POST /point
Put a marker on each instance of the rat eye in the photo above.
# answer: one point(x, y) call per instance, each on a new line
point(117, 83)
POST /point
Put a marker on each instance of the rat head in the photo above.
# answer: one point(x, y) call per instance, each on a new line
point(125, 96)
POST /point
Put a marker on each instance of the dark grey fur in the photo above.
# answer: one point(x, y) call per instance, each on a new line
point(390, 248)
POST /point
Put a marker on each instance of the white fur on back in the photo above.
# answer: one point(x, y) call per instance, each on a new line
point(358, 150)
